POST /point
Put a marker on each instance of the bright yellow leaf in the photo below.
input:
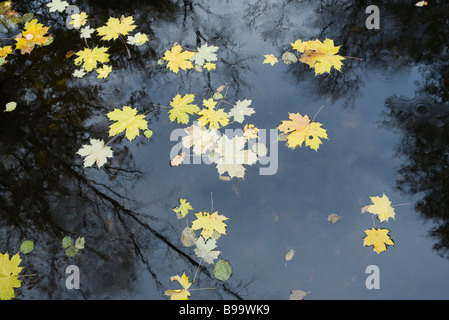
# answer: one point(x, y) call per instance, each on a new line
point(115, 27)
point(180, 294)
point(270, 58)
point(4, 51)
point(126, 120)
point(301, 130)
point(378, 238)
point(210, 66)
point(182, 107)
point(33, 34)
point(382, 207)
point(321, 56)
point(104, 71)
point(90, 58)
point(9, 272)
point(178, 59)
point(209, 223)
point(215, 118)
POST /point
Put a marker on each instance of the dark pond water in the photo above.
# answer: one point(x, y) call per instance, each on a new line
point(387, 120)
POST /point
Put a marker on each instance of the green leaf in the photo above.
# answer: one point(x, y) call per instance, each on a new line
point(67, 242)
point(79, 243)
point(222, 270)
point(27, 246)
point(148, 133)
point(71, 252)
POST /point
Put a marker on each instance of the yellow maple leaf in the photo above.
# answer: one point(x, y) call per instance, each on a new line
point(178, 59)
point(126, 120)
point(382, 207)
point(9, 272)
point(379, 238)
point(78, 19)
point(321, 56)
point(90, 58)
point(270, 58)
point(180, 294)
point(115, 27)
point(104, 71)
point(182, 107)
point(33, 34)
point(209, 223)
point(215, 118)
point(4, 51)
point(301, 130)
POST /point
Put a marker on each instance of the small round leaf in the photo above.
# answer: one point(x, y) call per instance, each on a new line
point(27, 246)
point(222, 270)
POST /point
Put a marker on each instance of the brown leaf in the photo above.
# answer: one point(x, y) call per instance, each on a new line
point(178, 160)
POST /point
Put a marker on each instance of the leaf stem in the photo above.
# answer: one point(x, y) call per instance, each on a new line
point(317, 113)
point(401, 204)
point(352, 58)
point(197, 268)
point(126, 46)
point(201, 289)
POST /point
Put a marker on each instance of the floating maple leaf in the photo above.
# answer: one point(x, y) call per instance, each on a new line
point(205, 53)
point(180, 294)
point(183, 209)
point(9, 272)
point(378, 238)
point(96, 152)
point(90, 58)
point(127, 119)
point(301, 130)
point(215, 118)
point(182, 107)
point(204, 250)
point(104, 71)
point(115, 27)
point(321, 56)
point(270, 58)
point(382, 207)
point(57, 5)
point(178, 59)
point(241, 109)
point(232, 156)
point(33, 34)
point(78, 19)
point(209, 223)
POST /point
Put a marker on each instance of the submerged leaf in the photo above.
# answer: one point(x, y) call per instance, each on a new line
point(27, 246)
point(222, 270)
point(333, 218)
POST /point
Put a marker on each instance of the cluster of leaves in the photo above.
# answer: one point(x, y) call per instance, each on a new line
point(71, 249)
point(176, 58)
point(212, 226)
point(379, 237)
point(230, 154)
point(33, 34)
point(98, 57)
point(321, 56)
